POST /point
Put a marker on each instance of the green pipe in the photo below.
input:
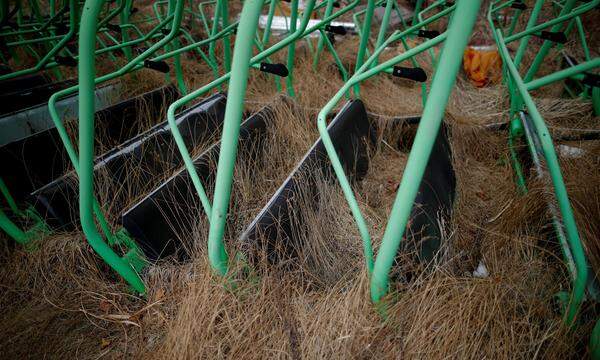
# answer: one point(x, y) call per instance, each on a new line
point(203, 16)
point(101, 248)
point(289, 80)
point(595, 342)
point(13, 230)
point(267, 32)
point(547, 45)
point(459, 32)
point(231, 127)
point(226, 40)
point(9, 199)
point(215, 29)
point(87, 71)
point(416, 12)
point(384, 25)
point(299, 33)
point(337, 59)
point(559, 186)
point(177, 59)
point(124, 32)
point(596, 100)
point(563, 74)
point(321, 43)
point(535, 12)
point(514, 132)
point(364, 39)
point(360, 76)
point(557, 21)
point(513, 23)
point(581, 31)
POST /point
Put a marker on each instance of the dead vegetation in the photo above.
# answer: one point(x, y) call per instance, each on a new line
point(62, 301)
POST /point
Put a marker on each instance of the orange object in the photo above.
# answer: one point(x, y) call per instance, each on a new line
point(483, 65)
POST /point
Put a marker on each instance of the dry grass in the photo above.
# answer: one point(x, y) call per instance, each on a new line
point(62, 301)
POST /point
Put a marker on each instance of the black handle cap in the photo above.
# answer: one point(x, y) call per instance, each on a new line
point(66, 60)
point(415, 74)
point(554, 36)
point(275, 69)
point(336, 29)
point(160, 66)
point(429, 34)
point(519, 5)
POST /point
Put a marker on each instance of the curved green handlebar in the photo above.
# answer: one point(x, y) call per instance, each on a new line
point(87, 70)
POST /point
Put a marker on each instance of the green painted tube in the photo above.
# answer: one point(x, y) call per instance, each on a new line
point(364, 39)
point(177, 59)
point(226, 40)
point(547, 45)
point(418, 6)
point(187, 159)
point(12, 229)
point(321, 43)
point(582, 39)
point(513, 23)
point(513, 133)
point(557, 21)
point(563, 74)
point(124, 31)
point(134, 64)
point(459, 32)
point(535, 12)
point(384, 25)
point(596, 100)
point(49, 55)
point(231, 128)
point(361, 75)
point(203, 17)
point(291, 55)
point(87, 71)
point(560, 190)
point(9, 199)
point(267, 32)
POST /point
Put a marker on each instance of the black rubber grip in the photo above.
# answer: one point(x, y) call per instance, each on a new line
point(113, 27)
point(275, 69)
point(66, 60)
point(592, 80)
point(133, 11)
point(336, 29)
point(415, 74)
point(554, 36)
point(519, 5)
point(160, 66)
point(336, 4)
point(429, 34)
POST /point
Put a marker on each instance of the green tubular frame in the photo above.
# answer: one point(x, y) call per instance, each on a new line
point(363, 73)
point(60, 46)
point(217, 254)
point(87, 204)
point(443, 82)
point(128, 265)
point(22, 237)
point(519, 88)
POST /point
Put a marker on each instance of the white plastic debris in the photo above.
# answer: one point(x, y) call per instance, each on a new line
point(481, 271)
point(570, 151)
